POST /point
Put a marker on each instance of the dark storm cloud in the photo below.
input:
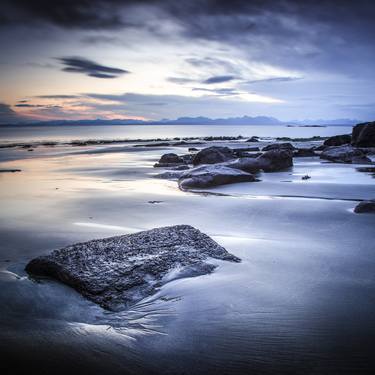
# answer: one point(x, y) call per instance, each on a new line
point(218, 79)
point(90, 68)
point(332, 34)
point(84, 14)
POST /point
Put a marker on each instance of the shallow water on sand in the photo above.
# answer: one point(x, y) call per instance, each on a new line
point(300, 302)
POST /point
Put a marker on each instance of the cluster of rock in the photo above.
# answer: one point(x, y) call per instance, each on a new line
point(117, 272)
point(213, 166)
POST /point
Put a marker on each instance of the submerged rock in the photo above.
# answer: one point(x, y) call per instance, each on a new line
point(213, 155)
point(338, 140)
point(365, 207)
point(363, 135)
point(253, 139)
point(212, 175)
point(345, 154)
point(118, 271)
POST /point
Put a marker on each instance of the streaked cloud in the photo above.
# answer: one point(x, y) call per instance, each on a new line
point(89, 68)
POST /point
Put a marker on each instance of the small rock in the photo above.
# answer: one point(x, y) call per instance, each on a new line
point(365, 207)
point(253, 139)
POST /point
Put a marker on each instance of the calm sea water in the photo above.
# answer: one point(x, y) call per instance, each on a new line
point(67, 133)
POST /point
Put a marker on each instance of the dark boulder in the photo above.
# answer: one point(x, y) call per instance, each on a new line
point(213, 155)
point(345, 154)
point(246, 164)
point(276, 160)
point(170, 160)
point(277, 146)
point(363, 135)
point(365, 207)
point(212, 175)
point(338, 140)
point(119, 271)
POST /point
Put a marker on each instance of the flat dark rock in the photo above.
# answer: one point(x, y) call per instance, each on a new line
point(365, 207)
point(345, 154)
point(117, 272)
point(212, 175)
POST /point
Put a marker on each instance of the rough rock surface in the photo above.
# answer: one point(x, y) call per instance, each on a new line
point(363, 135)
point(169, 160)
point(212, 175)
point(277, 146)
point(365, 207)
point(276, 160)
point(118, 271)
point(345, 154)
point(338, 140)
point(213, 155)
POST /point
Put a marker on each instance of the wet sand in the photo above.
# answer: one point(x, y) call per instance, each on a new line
point(301, 301)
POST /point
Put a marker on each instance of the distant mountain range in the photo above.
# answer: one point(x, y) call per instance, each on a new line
point(244, 120)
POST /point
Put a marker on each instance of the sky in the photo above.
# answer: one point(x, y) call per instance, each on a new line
point(158, 59)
